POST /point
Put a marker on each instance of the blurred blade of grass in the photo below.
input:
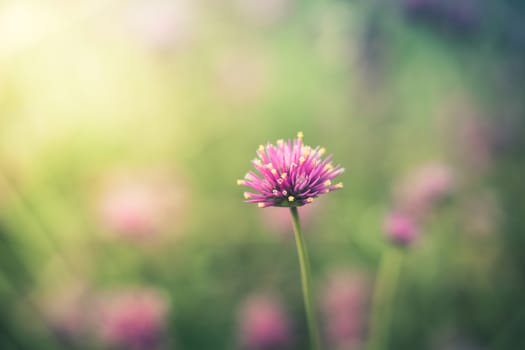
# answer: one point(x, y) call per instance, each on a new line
point(383, 299)
point(14, 297)
point(30, 218)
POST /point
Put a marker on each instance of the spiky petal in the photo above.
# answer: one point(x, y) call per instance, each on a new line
point(290, 174)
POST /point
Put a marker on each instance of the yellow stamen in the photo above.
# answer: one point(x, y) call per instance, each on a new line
point(247, 195)
point(273, 171)
point(261, 148)
point(322, 151)
point(284, 175)
point(241, 182)
point(291, 198)
point(339, 185)
point(269, 165)
point(301, 159)
point(327, 183)
point(300, 135)
point(309, 200)
point(260, 205)
point(280, 142)
point(328, 166)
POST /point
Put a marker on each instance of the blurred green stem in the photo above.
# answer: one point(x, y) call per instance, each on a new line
point(383, 298)
point(18, 299)
point(29, 216)
point(305, 281)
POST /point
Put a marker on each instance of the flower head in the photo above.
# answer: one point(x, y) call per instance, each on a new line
point(263, 323)
point(425, 187)
point(401, 228)
point(291, 174)
point(141, 205)
point(134, 319)
point(344, 305)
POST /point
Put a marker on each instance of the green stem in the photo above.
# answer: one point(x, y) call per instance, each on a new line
point(384, 297)
point(305, 281)
point(27, 212)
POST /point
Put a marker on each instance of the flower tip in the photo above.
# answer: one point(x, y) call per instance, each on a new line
point(241, 182)
point(291, 198)
point(309, 200)
point(261, 205)
point(339, 185)
point(300, 135)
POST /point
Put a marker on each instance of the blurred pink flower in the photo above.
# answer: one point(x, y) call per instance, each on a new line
point(161, 24)
point(401, 228)
point(134, 319)
point(344, 307)
point(418, 192)
point(264, 12)
point(141, 206)
point(263, 323)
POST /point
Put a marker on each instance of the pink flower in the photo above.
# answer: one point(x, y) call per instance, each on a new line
point(263, 323)
point(401, 228)
point(344, 307)
point(423, 188)
point(291, 174)
point(133, 319)
point(141, 206)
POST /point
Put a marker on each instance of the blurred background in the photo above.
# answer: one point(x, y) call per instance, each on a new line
point(124, 126)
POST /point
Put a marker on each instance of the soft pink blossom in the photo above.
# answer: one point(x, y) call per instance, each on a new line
point(263, 323)
point(344, 308)
point(141, 205)
point(134, 319)
point(401, 228)
point(424, 187)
